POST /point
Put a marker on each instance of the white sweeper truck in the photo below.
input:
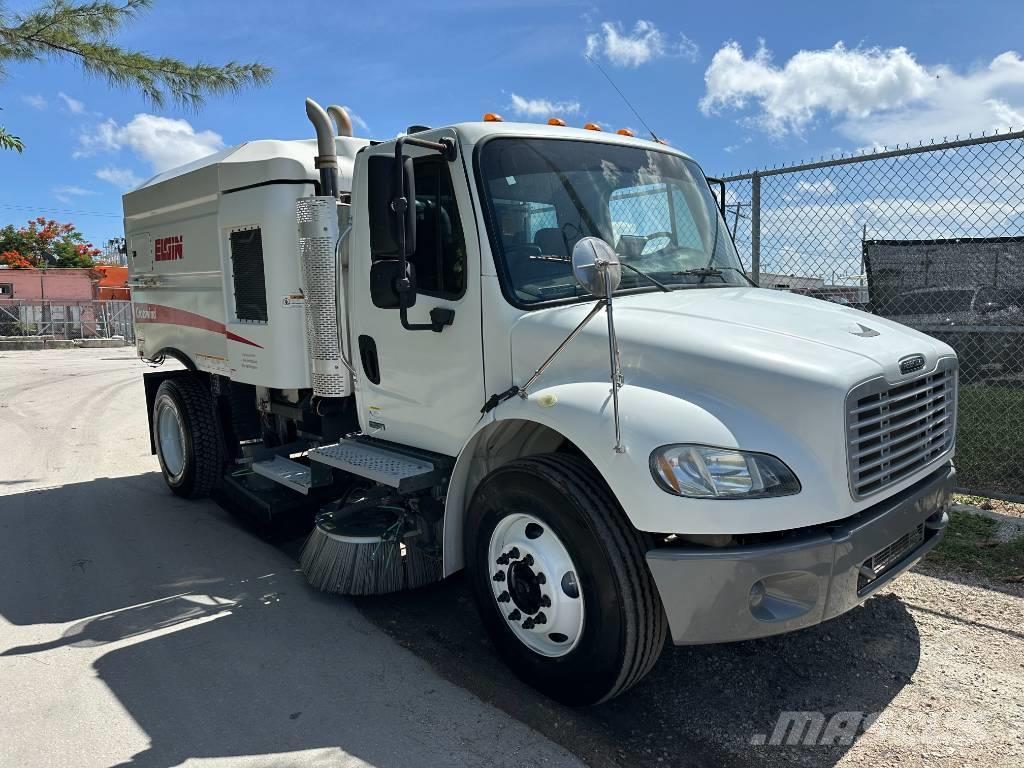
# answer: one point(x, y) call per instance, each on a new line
point(532, 352)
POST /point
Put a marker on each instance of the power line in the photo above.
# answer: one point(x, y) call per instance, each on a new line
point(67, 211)
point(628, 104)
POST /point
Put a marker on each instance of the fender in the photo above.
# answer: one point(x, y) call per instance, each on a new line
point(580, 413)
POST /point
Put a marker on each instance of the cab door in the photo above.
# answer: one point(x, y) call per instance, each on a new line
point(418, 387)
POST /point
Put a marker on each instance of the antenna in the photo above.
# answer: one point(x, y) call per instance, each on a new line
point(628, 104)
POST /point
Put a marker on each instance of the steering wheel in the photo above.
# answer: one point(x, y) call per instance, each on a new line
point(655, 236)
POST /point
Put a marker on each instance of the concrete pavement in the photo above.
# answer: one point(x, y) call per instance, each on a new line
point(139, 629)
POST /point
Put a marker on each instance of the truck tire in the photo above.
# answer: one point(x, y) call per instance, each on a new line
point(560, 580)
point(187, 436)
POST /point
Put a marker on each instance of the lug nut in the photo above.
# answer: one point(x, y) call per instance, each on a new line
point(528, 624)
point(504, 597)
point(513, 553)
point(503, 560)
point(499, 576)
point(528, 560)
point(515, 615)
point(542, 579)
point(545, 601)
point(540, 618)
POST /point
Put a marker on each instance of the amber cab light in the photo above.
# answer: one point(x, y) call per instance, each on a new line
point(592, 127)
point(556, 121)
point(493, 117)
point(625, 132)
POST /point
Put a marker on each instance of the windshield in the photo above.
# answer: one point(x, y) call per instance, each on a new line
point(653, 207)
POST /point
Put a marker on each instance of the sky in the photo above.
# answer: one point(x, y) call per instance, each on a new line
point(738, 86)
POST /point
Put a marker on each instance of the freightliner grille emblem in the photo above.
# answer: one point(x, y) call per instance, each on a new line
point(911, 364)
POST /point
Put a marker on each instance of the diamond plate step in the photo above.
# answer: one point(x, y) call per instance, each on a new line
point(288, 473)
point(398, 470)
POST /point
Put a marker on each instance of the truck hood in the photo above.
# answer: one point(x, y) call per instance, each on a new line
point(704, 337)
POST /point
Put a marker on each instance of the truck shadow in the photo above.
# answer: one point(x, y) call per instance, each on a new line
point(213, 644)
point(701, 705)
point(208, 638)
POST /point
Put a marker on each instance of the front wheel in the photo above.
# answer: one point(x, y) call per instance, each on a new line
point(560, 579)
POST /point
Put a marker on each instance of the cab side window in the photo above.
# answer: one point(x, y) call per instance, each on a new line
point(440, 255)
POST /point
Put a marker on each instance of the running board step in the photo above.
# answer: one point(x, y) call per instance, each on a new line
point(288, 473)
point(398, 470)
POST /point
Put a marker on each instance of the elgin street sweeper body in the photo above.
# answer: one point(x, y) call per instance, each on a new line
point(531, 352)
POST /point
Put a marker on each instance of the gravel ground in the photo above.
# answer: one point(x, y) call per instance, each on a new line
point(939, 658)
point(936, 662)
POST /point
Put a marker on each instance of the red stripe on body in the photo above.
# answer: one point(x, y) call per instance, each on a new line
point(158, 313)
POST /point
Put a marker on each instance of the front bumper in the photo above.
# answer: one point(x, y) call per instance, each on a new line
point(715, 595)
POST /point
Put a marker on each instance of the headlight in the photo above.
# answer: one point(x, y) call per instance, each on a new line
point(700, 471)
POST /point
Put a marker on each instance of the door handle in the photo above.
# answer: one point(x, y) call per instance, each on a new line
point(368, 356)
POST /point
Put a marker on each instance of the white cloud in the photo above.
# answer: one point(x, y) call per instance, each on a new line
point(67, 192)
point(36, 101)
point(163, 142)
point(819, 188)
point(122, 178)
point(645, 43)
point(74, 106)
point(542, 107)
point(880, 96)
point(357, 121)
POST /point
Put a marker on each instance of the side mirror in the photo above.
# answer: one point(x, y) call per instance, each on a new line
point(596, 266)
point(403, 207)
point(384, 277)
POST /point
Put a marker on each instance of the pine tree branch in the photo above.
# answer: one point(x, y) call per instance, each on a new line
point(7, 141)
point(81, 30)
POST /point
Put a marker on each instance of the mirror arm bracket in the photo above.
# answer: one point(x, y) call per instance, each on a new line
point(440, 317)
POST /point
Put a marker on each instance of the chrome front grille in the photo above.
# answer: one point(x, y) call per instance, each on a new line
point(893, 430)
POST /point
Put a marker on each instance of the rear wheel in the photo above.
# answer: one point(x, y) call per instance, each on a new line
point(560, 579)
point(187, 436)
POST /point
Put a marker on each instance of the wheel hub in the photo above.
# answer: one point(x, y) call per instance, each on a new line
point(524, 587)
point(530, 570)
point(171, 439)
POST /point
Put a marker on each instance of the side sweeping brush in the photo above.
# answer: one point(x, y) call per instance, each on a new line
point(366, 552)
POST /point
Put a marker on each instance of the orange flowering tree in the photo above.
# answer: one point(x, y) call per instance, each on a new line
point(45, 243)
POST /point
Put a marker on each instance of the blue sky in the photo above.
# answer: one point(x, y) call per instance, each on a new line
point(737, 85)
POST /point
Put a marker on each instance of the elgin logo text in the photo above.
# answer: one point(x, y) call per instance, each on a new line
point(168, 248)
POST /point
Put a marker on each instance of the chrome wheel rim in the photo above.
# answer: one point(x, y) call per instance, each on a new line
point(170, 439)
point(535, 585)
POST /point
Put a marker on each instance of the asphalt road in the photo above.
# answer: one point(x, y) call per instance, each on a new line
point(138, 628)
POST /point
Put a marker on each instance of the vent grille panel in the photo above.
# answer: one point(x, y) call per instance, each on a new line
point(895, 430)
point(318, 237)
point(247, 275)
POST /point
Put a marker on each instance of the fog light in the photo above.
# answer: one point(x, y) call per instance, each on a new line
point(757, 593)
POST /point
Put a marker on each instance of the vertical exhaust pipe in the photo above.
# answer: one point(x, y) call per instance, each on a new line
point(327, 157)
point(341, 119)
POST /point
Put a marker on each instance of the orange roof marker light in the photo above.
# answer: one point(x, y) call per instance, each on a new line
point(493, 117)
point(625, 132)
point(592, 127)
point(556, 121)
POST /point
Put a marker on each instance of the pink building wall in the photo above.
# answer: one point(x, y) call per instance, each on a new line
point(55, 285)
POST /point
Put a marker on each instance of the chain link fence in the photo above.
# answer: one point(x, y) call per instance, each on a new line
point(67, 320)
point(930, 236)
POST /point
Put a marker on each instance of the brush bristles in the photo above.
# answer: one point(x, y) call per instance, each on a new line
point(365, 568)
